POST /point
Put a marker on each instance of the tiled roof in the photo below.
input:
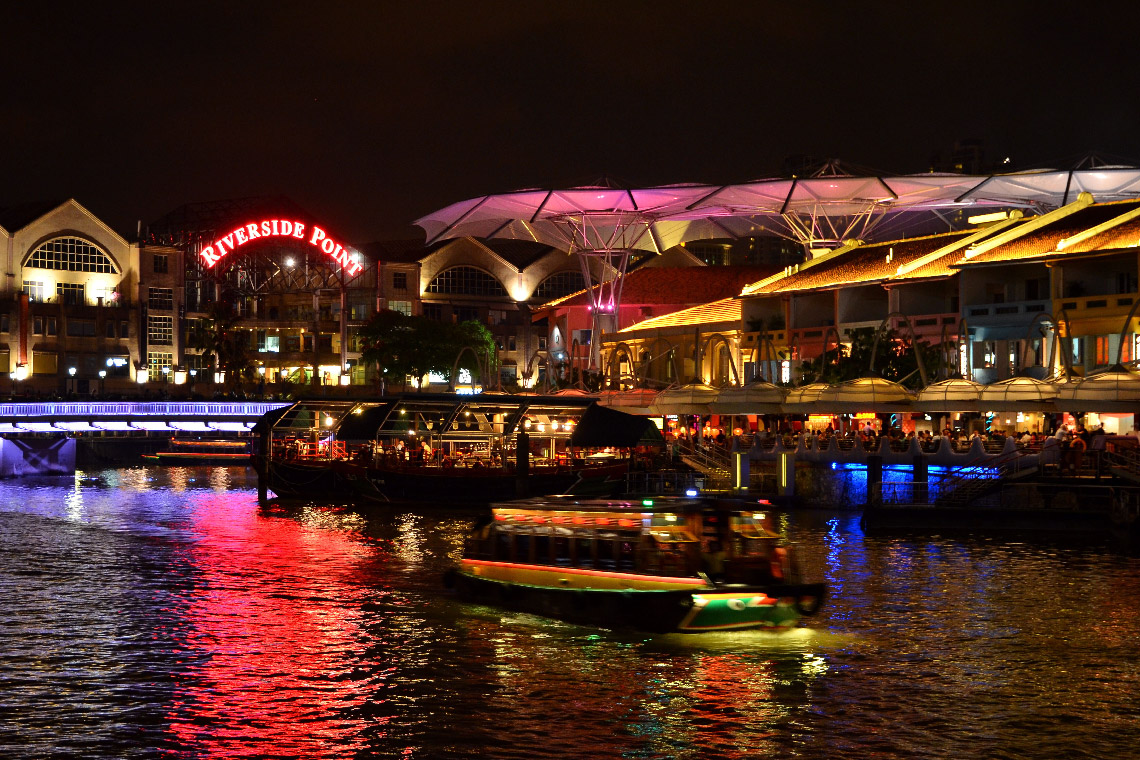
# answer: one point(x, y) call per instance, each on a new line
point(17, 217)
point(1124, 235)
point(724, 310)
point(1043, 241)
point(677, 285)
point(868, 263)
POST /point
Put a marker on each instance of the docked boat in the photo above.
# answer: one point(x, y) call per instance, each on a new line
point(662, 565)
point(190, 451)
point(438, 448)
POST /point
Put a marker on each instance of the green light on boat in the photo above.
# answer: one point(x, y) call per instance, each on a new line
point(647, 502)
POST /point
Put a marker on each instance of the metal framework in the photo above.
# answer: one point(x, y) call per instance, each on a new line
point(277, 266)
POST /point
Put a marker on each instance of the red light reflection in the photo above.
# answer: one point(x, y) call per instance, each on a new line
point(273, 634)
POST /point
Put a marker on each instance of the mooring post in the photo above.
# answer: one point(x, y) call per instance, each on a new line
point(522, 464)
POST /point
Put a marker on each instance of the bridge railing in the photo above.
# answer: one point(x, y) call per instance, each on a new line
point(97, 409)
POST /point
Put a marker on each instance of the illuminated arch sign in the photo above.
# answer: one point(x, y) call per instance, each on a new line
point(279, 228)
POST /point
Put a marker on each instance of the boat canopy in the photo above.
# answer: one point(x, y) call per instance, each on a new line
point(601, 427)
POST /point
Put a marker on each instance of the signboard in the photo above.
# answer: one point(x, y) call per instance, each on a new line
point(281, 228)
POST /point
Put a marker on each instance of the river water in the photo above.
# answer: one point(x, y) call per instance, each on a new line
point(153, 612)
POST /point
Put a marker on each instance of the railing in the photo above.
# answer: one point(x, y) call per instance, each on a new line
point(663, 482)
point(321, 450)
point(97, 409)
point(709, 458)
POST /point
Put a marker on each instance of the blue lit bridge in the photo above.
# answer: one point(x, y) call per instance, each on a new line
point(125, 417)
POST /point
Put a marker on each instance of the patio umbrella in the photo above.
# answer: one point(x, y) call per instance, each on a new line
point(755, 398)
point(865, 394)
point(1114, 390)
point(693, 398)
point(1018, 394)
point(954, 395)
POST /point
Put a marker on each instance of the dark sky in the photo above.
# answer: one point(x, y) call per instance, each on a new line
point(371, 114)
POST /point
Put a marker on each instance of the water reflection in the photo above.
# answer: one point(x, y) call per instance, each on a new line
point(162, 611)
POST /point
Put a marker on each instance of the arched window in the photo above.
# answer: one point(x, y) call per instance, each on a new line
point(69, 254)
point(466, 281)
point(560, 284)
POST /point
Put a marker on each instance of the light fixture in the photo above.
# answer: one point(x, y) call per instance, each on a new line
point(328, 421)
point(102, 374)
point(71, 371)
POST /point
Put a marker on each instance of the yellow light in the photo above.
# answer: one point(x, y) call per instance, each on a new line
point(996, 216)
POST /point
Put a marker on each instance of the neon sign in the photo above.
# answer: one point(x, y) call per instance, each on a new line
point(317, 238)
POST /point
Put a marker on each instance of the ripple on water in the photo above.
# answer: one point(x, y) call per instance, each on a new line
point(157, 612)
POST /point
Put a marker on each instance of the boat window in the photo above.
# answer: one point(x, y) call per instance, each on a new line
point(542, 549)
point(502, 546)
point(757, 546)
point(561, 550)
point(584, 552)
point(522, 547)
point(607, 559)
point(625, 555)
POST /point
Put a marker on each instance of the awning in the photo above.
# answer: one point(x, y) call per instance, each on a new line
point(600, 427)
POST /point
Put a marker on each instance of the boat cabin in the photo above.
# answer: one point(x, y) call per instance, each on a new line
point(661, 536)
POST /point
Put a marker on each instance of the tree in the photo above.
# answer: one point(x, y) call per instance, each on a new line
point(895, 359)
point(400, 346)
point(223, 346)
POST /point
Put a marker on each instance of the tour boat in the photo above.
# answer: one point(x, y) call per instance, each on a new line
point(667, 564)
point(194, 451)
point(448, 449)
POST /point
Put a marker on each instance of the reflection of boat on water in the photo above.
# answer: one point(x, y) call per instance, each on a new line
point(197, 451)
point(661, 565)
point(445, 448)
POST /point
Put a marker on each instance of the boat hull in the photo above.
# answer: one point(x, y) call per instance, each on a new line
point(342, 479)
point(676, 610)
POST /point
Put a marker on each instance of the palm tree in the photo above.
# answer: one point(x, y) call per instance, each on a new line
point(223, 346)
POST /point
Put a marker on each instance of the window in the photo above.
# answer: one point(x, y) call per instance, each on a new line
point(37, 326)
point(81, 328)
point(399, 280)
point(161, 299)
point(34, 289)
point(466, 314)
point(3, 323)
point(542, 343)
point(124, 329)
point(560, 284)
point(433, 311)
point(118, 366)
point(51, 326)
point(71, 293)
point(161, 264)
point(1102, 349)
point(160, 331)
point(68, 254)
point(466, 281)
point(496, 316)
point(404, 307)
point(512, 343)
point(110, 328)
point(156, 363)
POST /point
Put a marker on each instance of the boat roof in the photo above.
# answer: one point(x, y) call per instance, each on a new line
point(637, 504)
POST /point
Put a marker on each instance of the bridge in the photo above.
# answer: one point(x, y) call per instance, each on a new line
point(67, 417)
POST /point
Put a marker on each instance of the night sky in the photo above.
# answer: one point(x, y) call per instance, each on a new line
point(372, 114)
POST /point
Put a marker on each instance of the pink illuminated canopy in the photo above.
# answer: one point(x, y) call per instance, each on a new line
point(270, 228)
